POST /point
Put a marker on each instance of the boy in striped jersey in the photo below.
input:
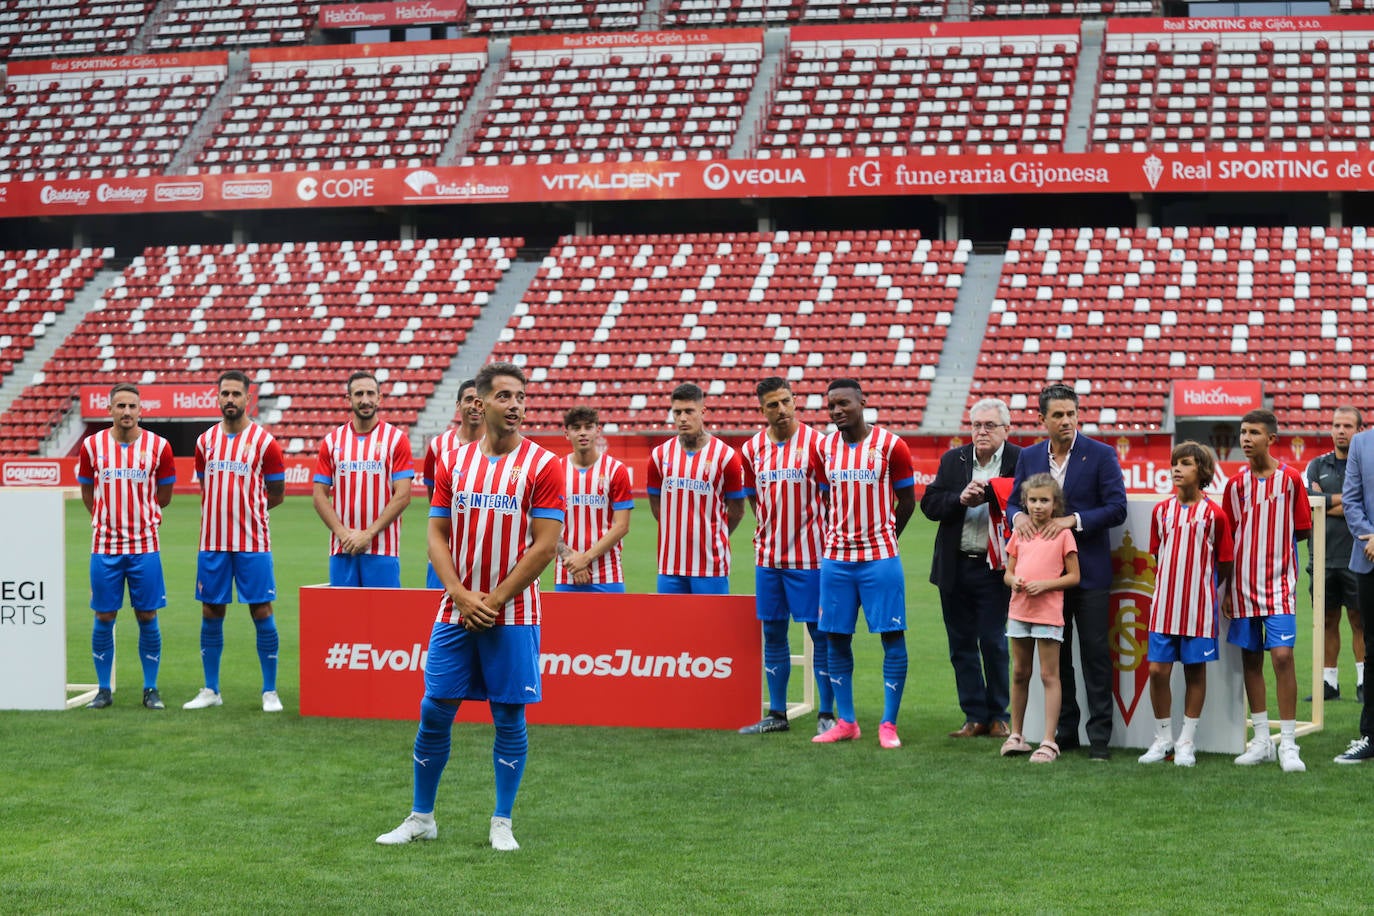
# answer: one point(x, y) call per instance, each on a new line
point(1191, 540)
point(126, 475)
point(242, 475)
point(361, 488)
point(870, 479)
point(783, 483)
point(494, 522)
point(696, 493)
point(472, 425)
point(597, 488)
point(1266, 506)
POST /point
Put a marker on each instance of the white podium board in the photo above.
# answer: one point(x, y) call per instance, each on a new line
point(1223, 723)
point(33, 600)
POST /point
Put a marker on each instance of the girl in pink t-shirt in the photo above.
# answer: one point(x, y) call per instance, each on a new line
point(1039, 568)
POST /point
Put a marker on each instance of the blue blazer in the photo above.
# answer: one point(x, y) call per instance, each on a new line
point(1094, 488)
point(1357, 497)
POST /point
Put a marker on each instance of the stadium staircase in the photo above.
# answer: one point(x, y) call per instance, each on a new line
point(54, 334)
point(212, 116)
point(652, 17)
point(1081, 103)
point(476, 347)
point(151, 26)
point(771, 71)
point(470, 121)
point(949, 391)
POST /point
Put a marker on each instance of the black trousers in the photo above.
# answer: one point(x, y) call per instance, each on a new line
point(1087, 612)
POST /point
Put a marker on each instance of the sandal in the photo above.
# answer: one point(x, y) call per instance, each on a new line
point(1015, 744)
point(1047, 752)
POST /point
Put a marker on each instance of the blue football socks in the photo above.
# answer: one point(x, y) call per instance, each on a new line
point(841, 667)
point(777, 663)
point(267, 651)
point(508, 753)
point(894, 674)
point(211, 648)
point(825, 691)
point(432, 743)
point(102, 651)
point(149, 650)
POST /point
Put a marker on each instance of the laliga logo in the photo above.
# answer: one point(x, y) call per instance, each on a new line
point(1154, 168)
point(716, 176)
point(418, 181)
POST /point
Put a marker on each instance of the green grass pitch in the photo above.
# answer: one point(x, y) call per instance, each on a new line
point(230, 810)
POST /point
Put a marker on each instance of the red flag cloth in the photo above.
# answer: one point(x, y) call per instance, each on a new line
point(997, 531)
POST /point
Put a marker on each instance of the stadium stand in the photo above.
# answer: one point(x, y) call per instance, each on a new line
point(384, 111)
point(40, 28)
point(785, 12)
point(35, 287)
point(497, 17)
point(201, 24)
point(1238, 90)
point(913, 93)
point(105, 123)
point(297, 316)
point(872, 10)
point(1121, 312)
point(621, 320)
point(665, 101)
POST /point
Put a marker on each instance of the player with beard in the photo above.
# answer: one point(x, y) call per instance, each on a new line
point(871, 482)
point(242, 476)
point(494, 522)
point(362, 486)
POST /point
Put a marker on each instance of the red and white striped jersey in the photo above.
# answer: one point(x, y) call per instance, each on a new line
point(233, 472)
point(1265, 516)
point(692, 487)
point(489, 503)
point(1188, 542)
point(440, 446)
point(362, 472)
point(125, 479)
point(786, 484)
point(593, 496)
point(863, 478)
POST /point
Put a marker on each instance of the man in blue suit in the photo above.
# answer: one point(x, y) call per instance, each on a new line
point(1357, 501)
point(1095, 500)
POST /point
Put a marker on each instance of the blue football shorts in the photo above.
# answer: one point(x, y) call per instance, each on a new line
point(142, 572)
point(364, 570)
point(877, 586)
point(780, 593)
point(220, 572)
point(499, 664)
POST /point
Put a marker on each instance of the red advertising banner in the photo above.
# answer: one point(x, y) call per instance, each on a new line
point(356, 52)
point(167, 61)
point(644, 661)
point(161, 402)
point(1220, 398)
point(1220, 24)
point(635, 39)
point(1055, 173)
point(382, 15)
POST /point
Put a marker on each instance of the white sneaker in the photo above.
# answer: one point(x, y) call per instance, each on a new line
point(1289, 760)
point(1185, 755)
point(414, 827)
point(270, 701)
point(501, 836)
point(1259, 750)
point(1159, 750)
point(205, 698)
